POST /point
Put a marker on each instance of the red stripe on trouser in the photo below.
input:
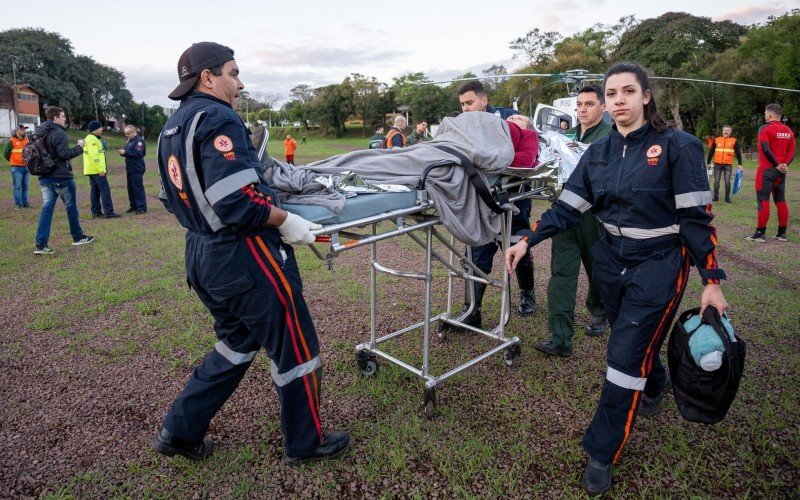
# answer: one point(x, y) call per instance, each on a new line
point(290, 323)
point(783, 213)
point(647, 363)
point(296, 317)
point(763, 214)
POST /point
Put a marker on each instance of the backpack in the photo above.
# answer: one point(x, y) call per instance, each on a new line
point(37, 159)
point(703, 396)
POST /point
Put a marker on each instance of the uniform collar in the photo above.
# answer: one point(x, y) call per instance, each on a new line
point(636, 135)
point(202, 95)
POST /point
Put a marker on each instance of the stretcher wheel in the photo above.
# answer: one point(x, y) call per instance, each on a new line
point(367, 363)
point(511, 355)
point(429, 403)
point(442, 330)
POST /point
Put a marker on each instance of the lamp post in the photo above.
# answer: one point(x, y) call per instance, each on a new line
point(143, 107)
point(94, 100)
point(14, 91)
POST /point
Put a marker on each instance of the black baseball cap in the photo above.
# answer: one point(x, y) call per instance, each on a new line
point(200, 56)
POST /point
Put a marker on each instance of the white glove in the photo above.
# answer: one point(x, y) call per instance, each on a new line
point(296, 229)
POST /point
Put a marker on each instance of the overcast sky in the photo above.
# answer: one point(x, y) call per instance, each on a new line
point(282, 44)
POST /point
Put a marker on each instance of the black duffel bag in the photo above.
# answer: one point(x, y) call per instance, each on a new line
point(703, 396)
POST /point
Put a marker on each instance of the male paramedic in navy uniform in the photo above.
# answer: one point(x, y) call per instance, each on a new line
point(239, 262)
point(472, 97)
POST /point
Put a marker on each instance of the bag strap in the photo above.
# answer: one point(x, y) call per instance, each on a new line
point(476, 180)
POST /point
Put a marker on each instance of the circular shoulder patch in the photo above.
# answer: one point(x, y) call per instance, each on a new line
point(174, 172)
point(654, 151)
point(223, 143)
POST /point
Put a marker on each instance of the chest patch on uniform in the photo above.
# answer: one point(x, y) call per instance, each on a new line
point(223, 143)
point(653, 153)
point(174, 172)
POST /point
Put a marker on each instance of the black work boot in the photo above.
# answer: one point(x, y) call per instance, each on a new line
point(333, 445)
point(597, 326)
point(551, 349)
point(170, 445)
point(527, 303)
point(474, 319)
point(597, 477)
point(650, 407)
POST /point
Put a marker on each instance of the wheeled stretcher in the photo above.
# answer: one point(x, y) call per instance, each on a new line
point(370, 219)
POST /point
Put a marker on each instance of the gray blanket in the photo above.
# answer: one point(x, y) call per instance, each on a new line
point(482, 137)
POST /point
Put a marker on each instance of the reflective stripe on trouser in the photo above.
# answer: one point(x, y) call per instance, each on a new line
point(252, 288)
point(568, 250)
point(641, 286)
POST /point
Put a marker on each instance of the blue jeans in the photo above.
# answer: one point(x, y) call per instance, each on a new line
point(52, 189)
point(100, 190)
point(21, 179)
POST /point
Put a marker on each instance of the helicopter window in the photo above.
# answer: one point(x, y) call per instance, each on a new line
point(550, 120)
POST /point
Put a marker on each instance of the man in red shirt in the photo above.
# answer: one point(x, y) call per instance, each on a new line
point(775, 153)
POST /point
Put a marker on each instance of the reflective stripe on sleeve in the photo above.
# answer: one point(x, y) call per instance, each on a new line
point(281, 379)
point(194, 182)
point(236, 358)
point(616, 377)
point(694, 199)
point(574, 201)
point(230, 184)
point(641, 234)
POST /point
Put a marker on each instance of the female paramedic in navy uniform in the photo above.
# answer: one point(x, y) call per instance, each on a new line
point(239, 264)
point(647, 185)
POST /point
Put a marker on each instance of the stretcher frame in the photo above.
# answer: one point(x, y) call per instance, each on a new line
point(410, 221)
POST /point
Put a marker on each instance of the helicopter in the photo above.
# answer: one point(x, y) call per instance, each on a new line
point(547, 117)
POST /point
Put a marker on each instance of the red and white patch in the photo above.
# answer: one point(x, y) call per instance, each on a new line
point(174, 172)
point(654, 151)
point(230, 155)
point(223, 143)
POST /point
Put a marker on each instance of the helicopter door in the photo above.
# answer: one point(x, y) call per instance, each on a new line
point(548, 119)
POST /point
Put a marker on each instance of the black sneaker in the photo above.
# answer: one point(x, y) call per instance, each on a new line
point(45, 250)
point(728, 200)
point(527, 303)
point(551, 349)
point(112, 215)
point(97, 216)
point(83, 241)
point(597, 326)
point(333, 445)
point(780, 237)
point(130, 210)
point(167, 444)
point(758, 237)
point(597, 477)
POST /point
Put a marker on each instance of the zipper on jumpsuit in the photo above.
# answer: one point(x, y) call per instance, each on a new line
point(619, 175)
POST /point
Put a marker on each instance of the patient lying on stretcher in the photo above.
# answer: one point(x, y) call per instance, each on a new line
point(493, 146)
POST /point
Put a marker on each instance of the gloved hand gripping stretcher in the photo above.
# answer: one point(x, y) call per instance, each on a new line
point(459, 180)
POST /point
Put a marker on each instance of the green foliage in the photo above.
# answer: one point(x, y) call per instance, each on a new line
point(46, 61)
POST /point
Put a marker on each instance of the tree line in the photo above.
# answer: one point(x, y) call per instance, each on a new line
point(85, 88)
point(673, 45)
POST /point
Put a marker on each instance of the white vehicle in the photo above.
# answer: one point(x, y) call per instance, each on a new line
point(548, 118)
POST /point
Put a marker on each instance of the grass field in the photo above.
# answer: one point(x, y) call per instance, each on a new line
point(96, 341)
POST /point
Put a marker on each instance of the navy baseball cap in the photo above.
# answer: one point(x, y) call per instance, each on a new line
point(200, 56)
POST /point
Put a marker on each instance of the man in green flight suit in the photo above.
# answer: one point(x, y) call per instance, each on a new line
point(573, 246)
